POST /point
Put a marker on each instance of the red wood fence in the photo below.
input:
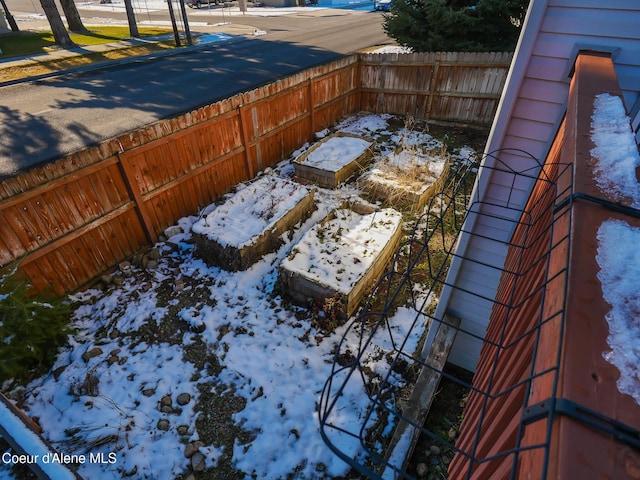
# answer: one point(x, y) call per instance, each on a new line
point(66, 222)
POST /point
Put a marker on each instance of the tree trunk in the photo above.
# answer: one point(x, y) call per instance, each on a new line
point(131, 18)
point(73, 17)
point(10, 19)
point(58, 29)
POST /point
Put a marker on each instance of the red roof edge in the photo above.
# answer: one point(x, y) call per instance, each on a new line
point(545, 402)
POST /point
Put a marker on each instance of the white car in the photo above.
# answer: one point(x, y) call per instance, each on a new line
point(382, 5)
point(199, 3)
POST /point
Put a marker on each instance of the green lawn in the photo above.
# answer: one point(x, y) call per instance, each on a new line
point(29, 43)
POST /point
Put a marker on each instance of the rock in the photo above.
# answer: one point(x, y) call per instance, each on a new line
point(179, 285)
point(422, 469)
point(154, 253)
point(117, 280)
point(166, 409)
point(113, 359)
point(198, 462)
point(115, 333)
point(106, 280)
point(134, 470)
point(58, 371)
point(147, 392)
point(321, 134)
point(166, 400)
point(151, 264)
point(191, 448)
point(137, 260)
point(89, 354)
point(183, 399)
point(436, 450)
point(163, 424)
point(452, 433)
point(190, 477)
point(182, 429)
point(172, 246)
point(173, 230)
point(124, 266)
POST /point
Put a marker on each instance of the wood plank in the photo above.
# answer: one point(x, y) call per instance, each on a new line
point(416, 409)
point(244, 129)
point(23, 434)
point(54, 184)
point(7, 252)
point(131, 180)
point(41, 252)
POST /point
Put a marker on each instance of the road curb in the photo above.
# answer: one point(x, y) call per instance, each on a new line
point(115, 63)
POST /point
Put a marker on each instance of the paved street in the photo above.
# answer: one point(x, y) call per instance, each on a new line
point(42, 120)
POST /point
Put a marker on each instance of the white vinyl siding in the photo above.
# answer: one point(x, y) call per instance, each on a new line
point(532, 107)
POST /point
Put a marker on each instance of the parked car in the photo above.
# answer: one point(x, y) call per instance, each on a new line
point(199, 3)
point(382, 5)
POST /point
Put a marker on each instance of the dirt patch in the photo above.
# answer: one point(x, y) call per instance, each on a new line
point(431, 458)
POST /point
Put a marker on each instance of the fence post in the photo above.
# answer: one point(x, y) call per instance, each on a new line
point(245, 140)
point(358, 81)
point(312, 103)
point(433, 86)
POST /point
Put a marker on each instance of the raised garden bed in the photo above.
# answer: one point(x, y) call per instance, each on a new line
point(338, 259)
point(249, 224)
point(404, 180)
point(334, 159)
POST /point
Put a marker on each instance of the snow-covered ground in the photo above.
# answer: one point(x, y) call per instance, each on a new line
point(148, 351)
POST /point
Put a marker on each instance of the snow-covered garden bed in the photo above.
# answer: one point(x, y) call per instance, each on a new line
point(237, 233)
point(339, 258)
point(406, 179)
point(334, 159)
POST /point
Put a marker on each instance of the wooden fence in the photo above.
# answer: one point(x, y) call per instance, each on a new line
point(449, 87)
point(66, 222)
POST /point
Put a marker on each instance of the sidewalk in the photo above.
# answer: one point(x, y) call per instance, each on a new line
point(219, 33)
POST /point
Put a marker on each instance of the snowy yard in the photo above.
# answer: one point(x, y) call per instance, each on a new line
point(182, 367)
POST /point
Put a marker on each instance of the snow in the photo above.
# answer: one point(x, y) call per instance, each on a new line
point(392, 49)
point(254, 209)
point(339, 252)
point(618, 257)
point(619, 261)
point(143, 7)
point(398, 454)
point(615, 150)
point(38, 453)
point(266, 352)
point(335, 152)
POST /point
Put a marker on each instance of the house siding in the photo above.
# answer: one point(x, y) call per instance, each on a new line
point(532, 107)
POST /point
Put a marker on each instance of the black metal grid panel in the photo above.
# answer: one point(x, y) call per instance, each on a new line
point(445, 219)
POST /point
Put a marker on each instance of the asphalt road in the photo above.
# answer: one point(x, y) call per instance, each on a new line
point(42, 120)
